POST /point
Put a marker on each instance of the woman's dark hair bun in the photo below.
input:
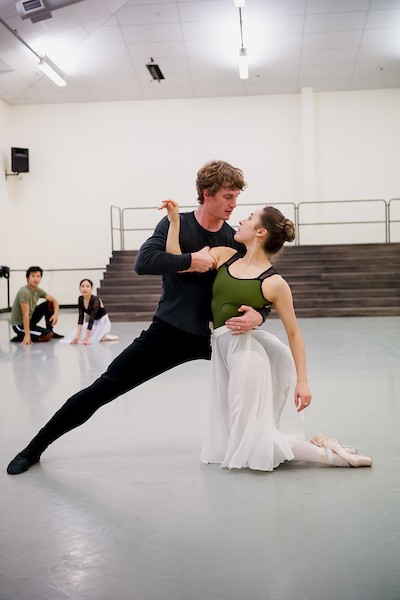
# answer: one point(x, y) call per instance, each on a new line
point(288, 229)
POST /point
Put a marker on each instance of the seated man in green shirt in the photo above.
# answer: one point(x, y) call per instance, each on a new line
point(25, 314)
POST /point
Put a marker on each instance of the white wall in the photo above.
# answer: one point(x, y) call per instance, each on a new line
point(6, 200)
point(6, 206)
point(86, 157)
point(357, 157)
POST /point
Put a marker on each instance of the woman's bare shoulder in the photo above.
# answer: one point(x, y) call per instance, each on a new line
point(221, 254)
point(275, 286)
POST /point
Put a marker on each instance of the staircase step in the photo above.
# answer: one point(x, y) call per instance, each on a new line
point(368, 302)
point(130, 316)
point(127, 290)
point(326, 281)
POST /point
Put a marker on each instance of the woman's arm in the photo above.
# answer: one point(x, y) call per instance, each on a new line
point(277, 290)
point(172, 244)
point(75, 340)
point(220, 254)
point(81, 316)
point(93, 309)
point(200, 260)
point(152, 259)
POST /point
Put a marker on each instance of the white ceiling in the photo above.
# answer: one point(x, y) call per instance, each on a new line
point(103, 46)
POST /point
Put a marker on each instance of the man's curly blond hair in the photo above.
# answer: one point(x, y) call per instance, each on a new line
point(216, 175)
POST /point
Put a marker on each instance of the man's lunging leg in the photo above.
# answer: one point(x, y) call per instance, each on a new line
point(154, 352)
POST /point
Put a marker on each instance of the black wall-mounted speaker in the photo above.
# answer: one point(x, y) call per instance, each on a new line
point(20, 160)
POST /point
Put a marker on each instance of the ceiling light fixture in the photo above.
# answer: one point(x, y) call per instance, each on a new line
point(239, 3)
point(40, 10)
point(155, 70)
point(46, 65)
point(50, 69)
point(243, 64)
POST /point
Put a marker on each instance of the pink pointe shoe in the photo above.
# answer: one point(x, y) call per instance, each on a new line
point(350, 454)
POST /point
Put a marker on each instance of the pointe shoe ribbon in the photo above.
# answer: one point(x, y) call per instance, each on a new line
point(320, 440)
point(350, 454)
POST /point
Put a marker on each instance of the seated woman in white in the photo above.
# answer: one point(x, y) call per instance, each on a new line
point(97, 326)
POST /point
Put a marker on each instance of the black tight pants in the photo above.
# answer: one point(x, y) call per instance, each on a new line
point(156, 350)
point(38, 334)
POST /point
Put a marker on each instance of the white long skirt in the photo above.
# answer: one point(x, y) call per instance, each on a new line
point(101, 327)
point(252, 420)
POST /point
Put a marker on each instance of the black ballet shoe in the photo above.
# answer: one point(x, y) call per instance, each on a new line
point(22, 462)
point(57, 336)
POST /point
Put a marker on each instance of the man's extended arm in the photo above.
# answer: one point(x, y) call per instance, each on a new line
point(152, 259)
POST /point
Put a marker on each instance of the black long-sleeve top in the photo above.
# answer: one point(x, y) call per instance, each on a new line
point(185, 302)
point(94, 310)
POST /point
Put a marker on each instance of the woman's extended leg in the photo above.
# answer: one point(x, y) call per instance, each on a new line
point(328, 452)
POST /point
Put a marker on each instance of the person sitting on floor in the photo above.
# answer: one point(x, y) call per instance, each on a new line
point(98, 325)
point(26, 312)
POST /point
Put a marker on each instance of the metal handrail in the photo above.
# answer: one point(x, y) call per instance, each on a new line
point(112, 207)
point(389, 219)
point(189, 206)
point(356, 222)
point(386, 219)
point(134, 208)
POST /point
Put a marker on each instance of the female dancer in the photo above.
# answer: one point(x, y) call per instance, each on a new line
point(245, 426)
point(97, 326)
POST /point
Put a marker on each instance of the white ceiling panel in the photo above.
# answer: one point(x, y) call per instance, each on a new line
point(329, 57)
point(380, 4)
point(109, 34)
point(151, 33)
point(157, 50)
point(348, 21)
point(360, 83)
point(192, 31)
point(104, 52)
point(207, 10)
point(275, 44)
point(274, 74)
point(92, 26)
point(103, 46)
point(276, 58)
point(148, 13)
point(273, 8)
point(337, 6)
point(326, 71)
point(90, 10)
point(326, 85)
point(380, 53)
point(328, 39)
point(381, 37)
point(114, 82)
point(289, 25)
point(377, 69)
point(380, 19)
point(61, 22)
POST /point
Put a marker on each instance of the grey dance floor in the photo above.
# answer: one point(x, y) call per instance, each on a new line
point(121, 508)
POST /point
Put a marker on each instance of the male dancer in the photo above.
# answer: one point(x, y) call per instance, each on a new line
point(180, 328)
point(26, 314)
